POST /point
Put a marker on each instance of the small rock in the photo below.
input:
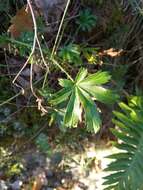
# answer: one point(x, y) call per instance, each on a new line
point(34, 160)
point(3, 185)
point(49, 173)
point(56, 184)
point(56, 158)
point(47, 162)
point(49, 188)
point(2, 175)
point(16, 185)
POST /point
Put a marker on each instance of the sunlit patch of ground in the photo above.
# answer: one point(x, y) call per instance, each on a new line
point(87, 167)
point(80, 167)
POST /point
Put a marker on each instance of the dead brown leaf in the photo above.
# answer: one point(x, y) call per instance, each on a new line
point(21, 22)
point(111, 52)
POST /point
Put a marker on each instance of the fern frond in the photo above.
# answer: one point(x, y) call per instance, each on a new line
point(127, 168)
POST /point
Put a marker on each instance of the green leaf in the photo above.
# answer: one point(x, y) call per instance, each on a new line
point(101, 94)
point(124, 119)
point(111, 187)
point(96, 79)
point(124, 138)
point(81, 92)
point(81, 75)
point(125, 129)
point(73, 111)
point(71, 53)
point(126, 147)
point(60, 96)
point(127, 163)
point(86, 20)
point(91, 114)
point(115, 175)
point(120, 155)
point(66, 83)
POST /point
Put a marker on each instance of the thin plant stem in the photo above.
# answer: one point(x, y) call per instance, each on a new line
point(55, 48)
point(62, 69)
point(60, 27)
point(10, 99)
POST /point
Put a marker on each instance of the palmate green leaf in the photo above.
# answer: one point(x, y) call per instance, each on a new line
point(79, 94)
point(91, 113)
point(101, 94)
point(61, 96)
point(66, 83)
point(71, 53)
point(73, 111)
point(86, 20)
point(81, 75)
point(96, 79)
point(128, 162)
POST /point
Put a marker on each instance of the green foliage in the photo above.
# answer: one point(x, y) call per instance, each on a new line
point(25, 38)
point(81, 93)
point(21, 45)
point(76, 101)
point(91, 54)
point(5, 89)
point(6, 5)
point(9, 166)
point(86, 20)
point(116, 22)
point(15, 169)
point(99, 2)
point(42, 143)
point(118, 75)
point(92, 2)
point(71, 54)
point(127, 165)
point(4, 114)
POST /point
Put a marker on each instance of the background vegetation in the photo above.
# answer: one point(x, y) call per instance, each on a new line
point(70, 74)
